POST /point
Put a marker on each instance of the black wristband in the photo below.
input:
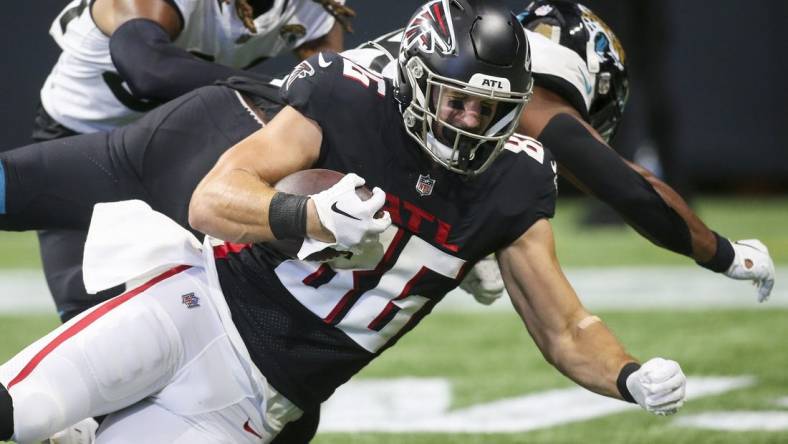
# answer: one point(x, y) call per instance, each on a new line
point(621, 382)
point(723, 257)
point(287, 216)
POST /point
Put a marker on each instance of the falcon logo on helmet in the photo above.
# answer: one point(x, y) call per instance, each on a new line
point(463, 79)
point(431, 29)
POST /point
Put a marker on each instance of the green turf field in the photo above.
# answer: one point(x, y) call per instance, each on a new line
point(488, 356)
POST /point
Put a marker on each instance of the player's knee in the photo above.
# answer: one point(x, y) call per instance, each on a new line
point(131, 354)
point(39, 414)
point(6, 414)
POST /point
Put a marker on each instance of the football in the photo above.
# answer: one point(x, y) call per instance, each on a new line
point(304, 183)
point(313, 181)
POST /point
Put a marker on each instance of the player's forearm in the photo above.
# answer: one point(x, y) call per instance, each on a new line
point(155, 68)
point(704, 244)
point(589, 354)
point(236, 207)
point(575, 342)
point(233, 207)
point(649, 205)
point(599, 170)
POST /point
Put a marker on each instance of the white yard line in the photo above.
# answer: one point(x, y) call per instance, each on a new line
point(24, 291)
point(646, 288)
point(737, 421)
point(422, 405)
point(609, 288)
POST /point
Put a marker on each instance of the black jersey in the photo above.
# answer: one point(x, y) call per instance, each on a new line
point(310, 326)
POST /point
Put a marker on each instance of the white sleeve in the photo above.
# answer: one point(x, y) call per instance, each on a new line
point(551, 59)
point(317, 21)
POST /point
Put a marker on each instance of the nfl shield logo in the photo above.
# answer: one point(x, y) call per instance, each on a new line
point(425, 184)
point(190, 300)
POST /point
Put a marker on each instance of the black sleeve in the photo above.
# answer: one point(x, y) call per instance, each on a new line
point(54, 185)
point(602, 171)
point(156, 69)
point(309, 87)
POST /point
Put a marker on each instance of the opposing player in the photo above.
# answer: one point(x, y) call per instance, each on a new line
point(581, 90)
point(288, 332)
point(123, 58)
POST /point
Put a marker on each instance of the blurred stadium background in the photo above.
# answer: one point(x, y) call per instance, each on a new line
point(709, 110)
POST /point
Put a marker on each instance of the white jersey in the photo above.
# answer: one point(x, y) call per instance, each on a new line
point(548, 60)
point(85, 93)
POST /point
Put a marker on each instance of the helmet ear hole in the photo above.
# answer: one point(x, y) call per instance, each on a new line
point(603, 83)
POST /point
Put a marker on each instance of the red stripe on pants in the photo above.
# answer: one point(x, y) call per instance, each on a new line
point(89, 319)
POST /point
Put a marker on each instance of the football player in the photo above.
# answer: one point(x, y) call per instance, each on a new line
point(286, 332)
point(581, 89)
point(123, 58)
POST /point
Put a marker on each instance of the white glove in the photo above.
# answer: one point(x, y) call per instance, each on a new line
point(658, 386)
point(350, 219)
point(484, 281)
point(83, 432)
point(752, 262)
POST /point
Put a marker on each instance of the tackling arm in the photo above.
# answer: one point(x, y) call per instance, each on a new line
point(662, 217)
point(649, 205)
point(141, 46)
point(575, 342)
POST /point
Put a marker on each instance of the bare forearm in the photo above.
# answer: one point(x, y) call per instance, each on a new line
point(235, 207)
point(575, 342)
point(589, 354)
point(232, 207)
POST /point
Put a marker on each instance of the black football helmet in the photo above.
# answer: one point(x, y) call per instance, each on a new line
point(474, 50)
point(576, 27)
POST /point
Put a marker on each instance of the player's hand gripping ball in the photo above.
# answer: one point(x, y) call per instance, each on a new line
point(313, 182)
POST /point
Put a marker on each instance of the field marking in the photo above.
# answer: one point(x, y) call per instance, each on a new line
point(24, 291)
point(782, 402)
point(422, 405)
point(737, 421)
point(609, 288)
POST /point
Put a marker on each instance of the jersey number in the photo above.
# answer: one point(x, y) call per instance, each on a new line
point(518, 143)
point(372, 305)
point(365, 77)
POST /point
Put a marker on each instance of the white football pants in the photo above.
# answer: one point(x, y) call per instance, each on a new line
point(157, 359)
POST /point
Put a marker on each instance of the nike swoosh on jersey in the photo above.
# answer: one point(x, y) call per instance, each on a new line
point(322, 62)
point(248, 428)
point(336, 209)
